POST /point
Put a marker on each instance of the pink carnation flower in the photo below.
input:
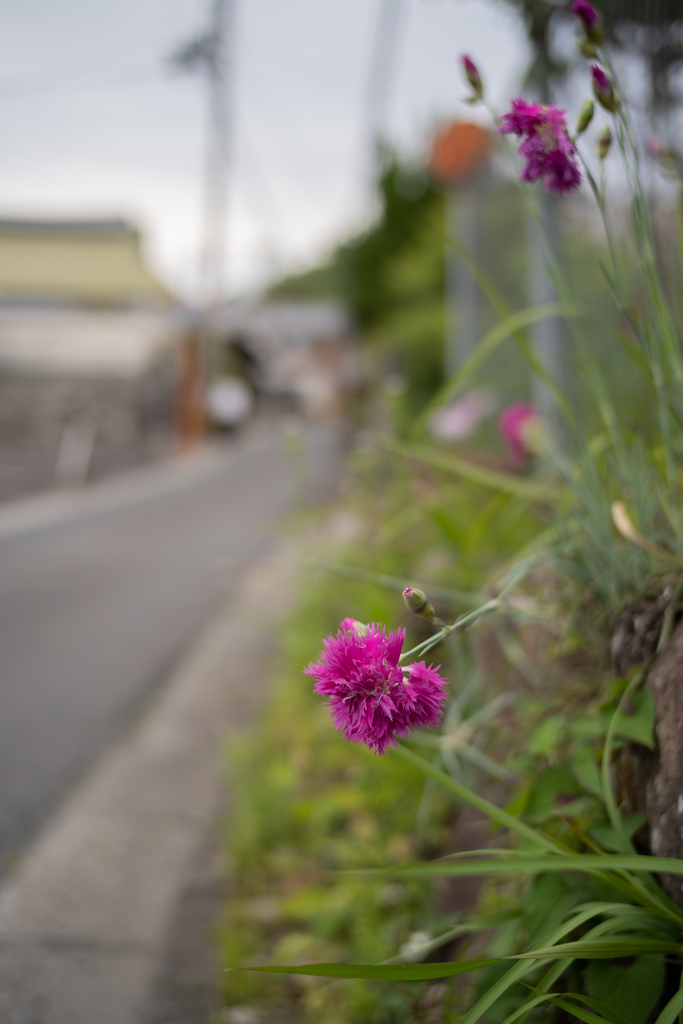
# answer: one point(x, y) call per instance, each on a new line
point(513, 423)
point(370, 699)
point(547, 149)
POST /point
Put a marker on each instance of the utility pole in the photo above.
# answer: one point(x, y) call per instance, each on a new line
point(209, 55)
point(459, 160)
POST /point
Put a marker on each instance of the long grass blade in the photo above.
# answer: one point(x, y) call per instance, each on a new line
point(521, 487)
point(378, 972)
point(530, 865)
point(580, 1013)
point(671, 1010)
point(507, 328)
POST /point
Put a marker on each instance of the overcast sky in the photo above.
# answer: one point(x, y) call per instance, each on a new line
point(94, 124)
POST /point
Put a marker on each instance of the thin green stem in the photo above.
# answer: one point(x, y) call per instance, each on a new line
point(607, 789)
point(464, 793)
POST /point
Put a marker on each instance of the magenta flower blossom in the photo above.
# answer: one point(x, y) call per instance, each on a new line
point(547, 149)
point(370, 699)
point(513, 423)
point(585, 12)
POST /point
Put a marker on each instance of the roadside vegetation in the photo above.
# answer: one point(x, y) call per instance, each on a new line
point(520, 863)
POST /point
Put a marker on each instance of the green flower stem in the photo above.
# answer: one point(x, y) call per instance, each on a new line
point(460, 623)
point(513, 578)
point(613, 813)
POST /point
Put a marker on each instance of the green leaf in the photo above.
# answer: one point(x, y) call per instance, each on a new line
point(632, 989)
point(548, 791)
point(517, 805)
point(580, 1013)
point(640, 724)
point(538, 998)
point(549, 900)
point(378, 972)
point(498, 993)
point(545, 738)
point(498, 990)
point(606, 947)
point(586, 770)
point(588, 728)
point(607, 1011)
point(605, 835)
point(530, 865)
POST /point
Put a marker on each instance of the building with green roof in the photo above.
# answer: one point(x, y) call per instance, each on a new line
point(77, 296)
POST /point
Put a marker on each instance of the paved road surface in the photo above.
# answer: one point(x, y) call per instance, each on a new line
point(100, 593)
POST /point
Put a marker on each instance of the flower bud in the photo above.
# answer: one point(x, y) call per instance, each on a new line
point(416, 602)
point(589, 18)
point(473, 77)
point(604, 142)
point(585, 116)
point(353, 626)
point(604, 91)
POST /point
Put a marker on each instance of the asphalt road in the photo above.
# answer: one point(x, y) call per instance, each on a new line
point(101, 592)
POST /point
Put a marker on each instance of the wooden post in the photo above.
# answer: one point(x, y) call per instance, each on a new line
point(189, 418)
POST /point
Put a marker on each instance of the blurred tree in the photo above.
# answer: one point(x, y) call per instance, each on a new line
point(392, 278)
point(356, 272)
point(408, 199)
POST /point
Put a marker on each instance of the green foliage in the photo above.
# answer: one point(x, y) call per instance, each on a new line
point(572, 919)
point(409, 202)
point(307, 803)
point(632, 989)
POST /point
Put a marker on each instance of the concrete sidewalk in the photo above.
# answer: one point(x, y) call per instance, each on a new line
point(85, 917)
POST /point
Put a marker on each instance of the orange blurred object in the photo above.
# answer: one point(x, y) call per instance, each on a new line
point(189, 391)
point(459, 149)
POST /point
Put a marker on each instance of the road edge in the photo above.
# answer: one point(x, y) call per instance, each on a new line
point(85, 915)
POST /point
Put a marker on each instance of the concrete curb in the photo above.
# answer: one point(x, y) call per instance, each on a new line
point(84, 918)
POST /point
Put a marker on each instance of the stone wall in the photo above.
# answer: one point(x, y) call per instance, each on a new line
point(130, 421)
